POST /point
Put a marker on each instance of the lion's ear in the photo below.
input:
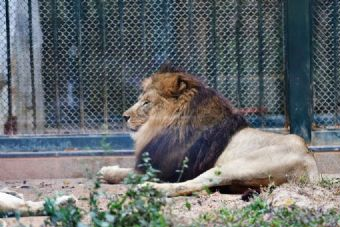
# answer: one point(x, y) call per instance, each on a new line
point(179, 85)
point(182, 85)
point(172, 85)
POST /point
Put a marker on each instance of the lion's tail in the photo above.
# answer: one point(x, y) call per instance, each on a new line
point(312, 168)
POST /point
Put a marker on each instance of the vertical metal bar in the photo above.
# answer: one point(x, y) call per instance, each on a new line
point(165, 14)
point(335, 23)
point(103, 36)
point(143, 32)
point(214, 52)
point(283, 44)
point(102, 24)
point(260, 59)
point(190, 35)
point(298, 67)
point(238, 52)
point(30, 29)
point(9, 64)
point(55, 25)
point(121, 40)
point(77, 10)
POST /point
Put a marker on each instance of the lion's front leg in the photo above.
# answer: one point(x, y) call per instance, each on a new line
point(174, 189)
point(208, 179)
point(114, 174)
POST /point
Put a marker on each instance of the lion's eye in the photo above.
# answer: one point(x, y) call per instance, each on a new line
point(146, 103)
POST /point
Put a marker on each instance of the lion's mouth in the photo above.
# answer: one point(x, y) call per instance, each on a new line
point(133, 129)
point(133, 126)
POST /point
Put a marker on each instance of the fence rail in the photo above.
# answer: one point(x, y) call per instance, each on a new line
point(72, 67)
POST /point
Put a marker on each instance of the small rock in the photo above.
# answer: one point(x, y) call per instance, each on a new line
point(24, 186)
point(267, 217)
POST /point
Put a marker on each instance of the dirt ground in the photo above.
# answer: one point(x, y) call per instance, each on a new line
point(309, 196)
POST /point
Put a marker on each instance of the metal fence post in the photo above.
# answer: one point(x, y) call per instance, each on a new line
point(298, 66)
point(30, 29)
point(9, 64)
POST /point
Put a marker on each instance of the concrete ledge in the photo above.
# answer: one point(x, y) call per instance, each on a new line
point(87, 166)
point(58, 167)
point(69, 153)
point(328, 162)
point(33, 143)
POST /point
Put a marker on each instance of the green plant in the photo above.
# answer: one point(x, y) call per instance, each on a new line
point(187, 204)
point(183, 167)
point(329, 183)
point(67, 215)
point(261, 214)
point(105, 145)
point(139, 206)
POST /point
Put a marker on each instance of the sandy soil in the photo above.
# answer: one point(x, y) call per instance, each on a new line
point(310, 196)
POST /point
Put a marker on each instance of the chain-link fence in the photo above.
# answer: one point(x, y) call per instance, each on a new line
point(82, 62)
point(15, 89)
point(325, 64)
point(95, 53)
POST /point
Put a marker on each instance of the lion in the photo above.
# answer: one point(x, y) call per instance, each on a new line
point(11, 202)
point(178, 117)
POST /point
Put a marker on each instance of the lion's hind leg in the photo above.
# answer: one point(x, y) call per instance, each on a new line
point(270, 164)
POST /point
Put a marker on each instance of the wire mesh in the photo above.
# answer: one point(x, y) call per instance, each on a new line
point(95, 53)
point(3, 68)
point(326, 74)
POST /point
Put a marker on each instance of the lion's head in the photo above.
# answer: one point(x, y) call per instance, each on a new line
point(177, 116)
point(161, 98)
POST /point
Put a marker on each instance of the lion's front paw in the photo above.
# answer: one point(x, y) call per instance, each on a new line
point(66, 199)
point(109, 174)
point(107, 170)
point(114, 174)
point(167, 189)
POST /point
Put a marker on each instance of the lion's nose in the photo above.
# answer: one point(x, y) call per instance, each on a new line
point(126, 117)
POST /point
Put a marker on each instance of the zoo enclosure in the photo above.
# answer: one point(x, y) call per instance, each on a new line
point(73, 67)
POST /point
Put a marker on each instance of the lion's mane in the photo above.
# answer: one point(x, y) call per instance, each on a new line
point(200, 128)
